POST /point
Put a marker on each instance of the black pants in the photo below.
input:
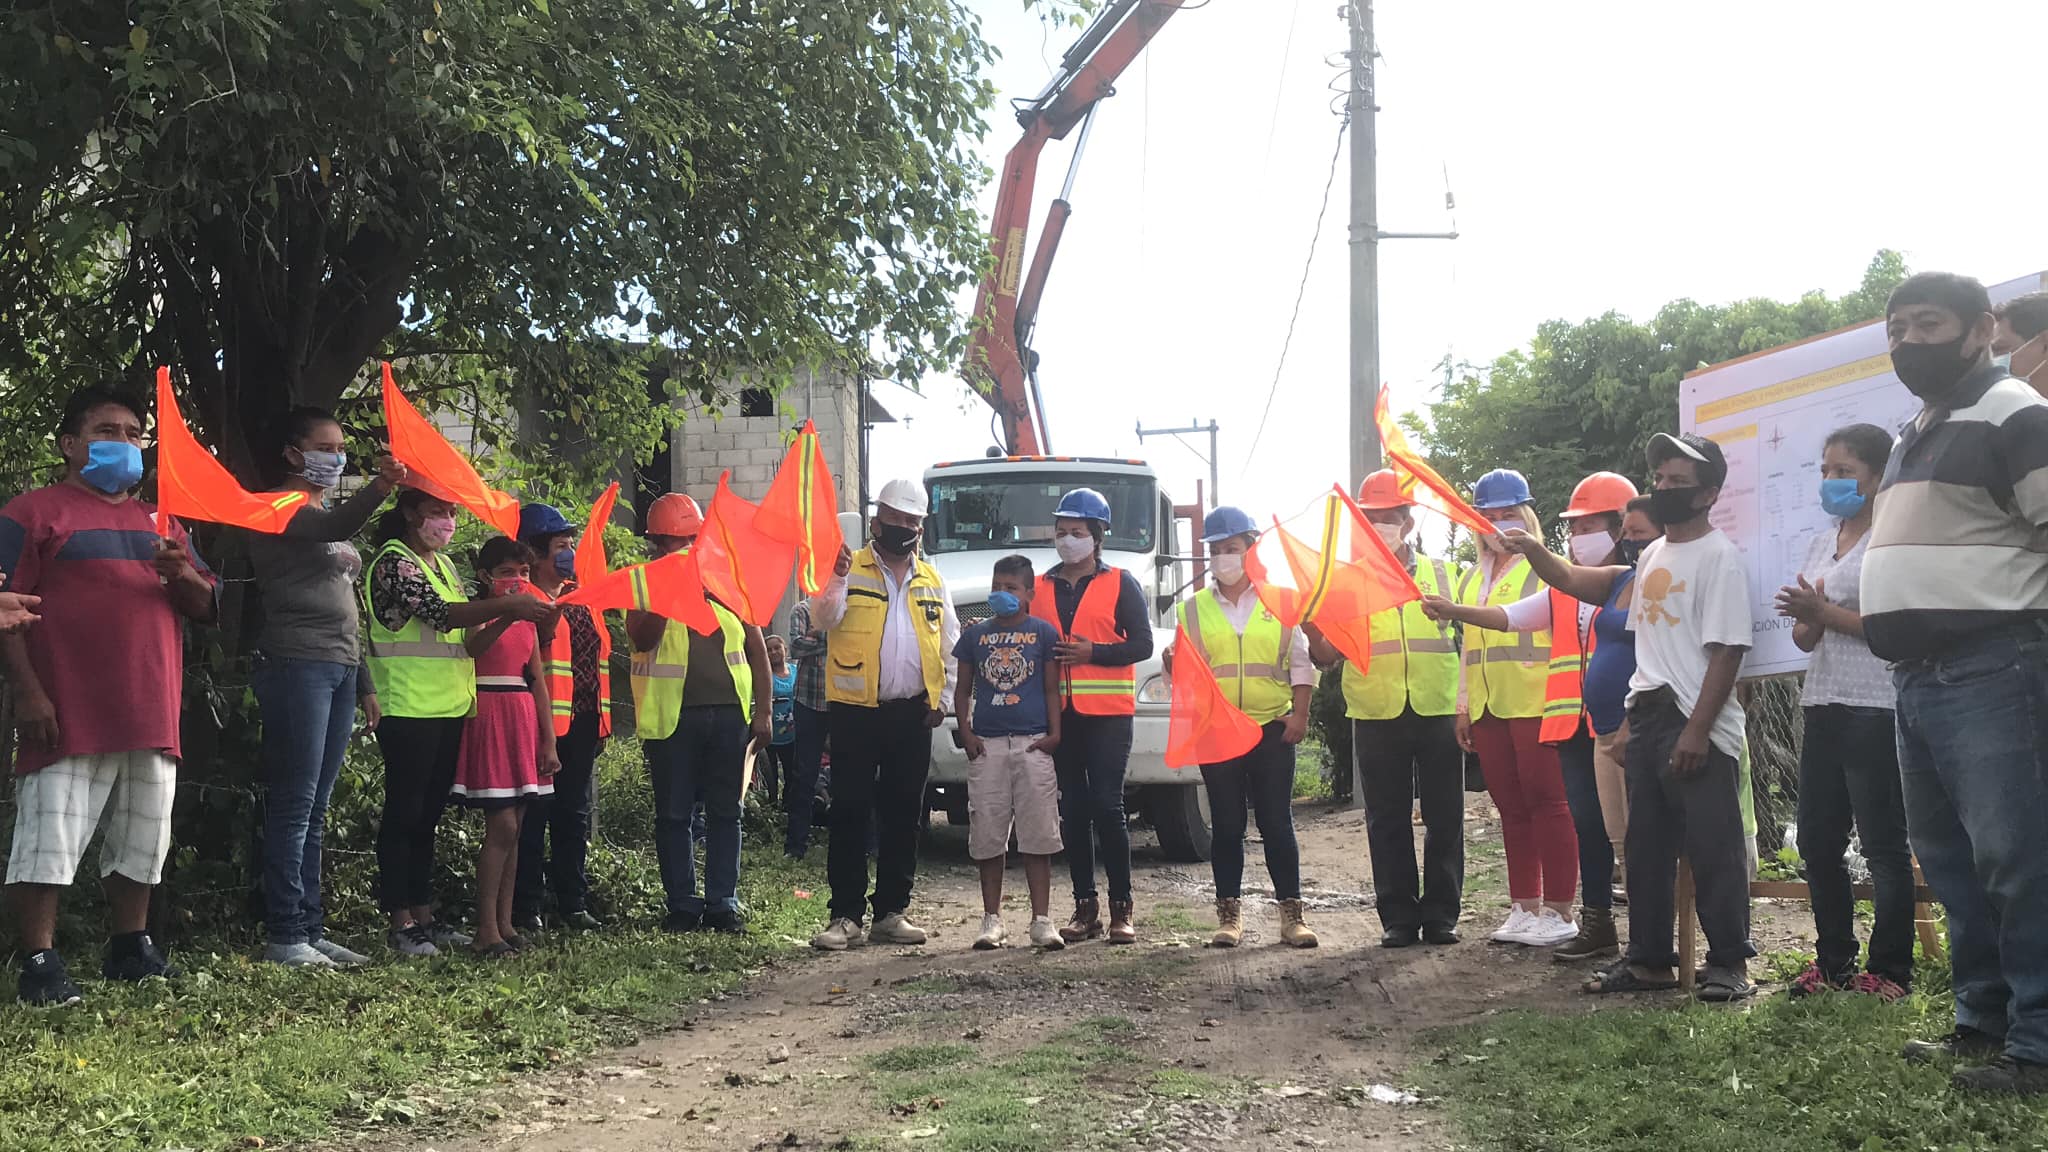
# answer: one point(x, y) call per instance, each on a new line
point(1264, 777)
point(563, 817)
point(1094, 753)
point(800, 788)
point(880, 758)
point(1582, 795)
point(1397, 760)
point(775, 768)
point(1697, 814)
point(1850, 768)
point(419, 767)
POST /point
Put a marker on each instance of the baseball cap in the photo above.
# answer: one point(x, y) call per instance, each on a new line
point(1713, 466)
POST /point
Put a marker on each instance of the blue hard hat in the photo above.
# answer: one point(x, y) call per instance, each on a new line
point(1225, 522)
point(1500, 488)
point(1083, 504)
point(541, 520)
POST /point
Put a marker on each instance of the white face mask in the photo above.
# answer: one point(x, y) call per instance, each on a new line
point(1392, 534)
point(1074, 549)
point(1591, 548)
point(1229, 567)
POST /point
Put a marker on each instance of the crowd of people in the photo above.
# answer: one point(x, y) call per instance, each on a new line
point(1596, 690)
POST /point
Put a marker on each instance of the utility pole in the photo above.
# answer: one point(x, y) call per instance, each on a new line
point(1194, 428)
point(1366, 455)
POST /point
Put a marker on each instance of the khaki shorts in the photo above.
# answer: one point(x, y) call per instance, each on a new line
point(57, 808)
point(1012, 785)
point(1610, 775)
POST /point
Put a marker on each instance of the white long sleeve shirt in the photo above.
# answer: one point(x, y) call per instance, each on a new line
point(901, 676)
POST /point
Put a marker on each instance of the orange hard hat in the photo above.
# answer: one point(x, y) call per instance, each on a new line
point(674, 515)
point(1600, 492)
point(1382, 489)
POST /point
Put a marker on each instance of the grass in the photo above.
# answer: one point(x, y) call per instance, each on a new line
point(1782, 1076)
point(1311, 770)
point(1038, 1099)
point(1174, 920)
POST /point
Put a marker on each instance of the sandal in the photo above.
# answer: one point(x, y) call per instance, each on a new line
point(499, 950)
point(1718, 985)
point(1623, 978)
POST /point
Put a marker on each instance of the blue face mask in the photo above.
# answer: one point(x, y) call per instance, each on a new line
point(1840, 499)
point(112, 466)
point(565, 565)
point(1004, 603)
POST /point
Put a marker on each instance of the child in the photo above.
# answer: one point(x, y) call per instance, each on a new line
point(1005, 673)
point(781, 758)
point(508, 751)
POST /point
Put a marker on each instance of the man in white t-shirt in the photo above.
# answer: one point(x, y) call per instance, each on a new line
point(1691, 620)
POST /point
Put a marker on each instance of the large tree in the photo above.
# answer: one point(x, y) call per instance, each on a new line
point(269, 193)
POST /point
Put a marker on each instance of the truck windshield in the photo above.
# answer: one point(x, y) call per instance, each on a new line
point(990, 513)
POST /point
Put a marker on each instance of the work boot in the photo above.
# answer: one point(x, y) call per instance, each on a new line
point(1087, 921)
point(1229, 925)
point(1294, 931)
point(2004, 1076)
point(1121, 930)
point(1596, 938)
point(1962, 1043)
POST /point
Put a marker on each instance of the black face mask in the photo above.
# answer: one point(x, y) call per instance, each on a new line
point(895, 539)
point(1932, 371)
point(1629, 551)
point(1674, 505)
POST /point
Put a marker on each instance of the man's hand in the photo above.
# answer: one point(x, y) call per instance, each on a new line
point(1075, 650)
point(172, 561)
point(390, 474)
point(18, 611)
point(844, 563)
point(1465, 731)
point(1297, 728)
point(1689, 755)
point(373, 712)
point(1436, 608)
point(934, 718)
point(762, 730)
point(531, 609)
point(36, 719)
point(550, 761)
point(1805, 602)
point(972, 745)
point(1047, 744)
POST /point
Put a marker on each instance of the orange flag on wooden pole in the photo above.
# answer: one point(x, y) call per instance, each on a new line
point(192, 484)
point(419, 445)
point(743, 567)
point(670, 587)
point(800, 509)
point(1338, 584)
point(591, 563)
point(1419, 481)
point(1204, 727)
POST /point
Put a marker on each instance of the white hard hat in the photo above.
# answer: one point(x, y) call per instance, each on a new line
point(904, 496)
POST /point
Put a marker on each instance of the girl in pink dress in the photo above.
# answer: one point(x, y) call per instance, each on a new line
point(508, 747)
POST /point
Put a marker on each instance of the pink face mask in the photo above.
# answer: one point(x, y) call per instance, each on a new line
point(507, 586)
point(437, 531)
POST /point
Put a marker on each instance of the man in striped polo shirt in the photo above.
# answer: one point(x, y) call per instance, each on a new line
point(1955, 595)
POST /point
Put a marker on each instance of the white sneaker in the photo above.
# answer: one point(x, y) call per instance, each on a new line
point(1510, 930)
point(1045, 934)
point(447, 936)
point(1546, 929)
point(299, 955)
point(992, 934)
point(895, 929)
point(342, 957)
point(838, 936)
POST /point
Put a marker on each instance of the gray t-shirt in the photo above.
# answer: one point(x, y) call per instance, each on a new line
point(307, 578)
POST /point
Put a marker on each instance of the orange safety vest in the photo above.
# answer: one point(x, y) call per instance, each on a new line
point(562, 673)
point(1092, 689)
point(1564, 690)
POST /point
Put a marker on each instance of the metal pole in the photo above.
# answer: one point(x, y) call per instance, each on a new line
point(1194, 427)
point(1212, 458)
point(1365, 249)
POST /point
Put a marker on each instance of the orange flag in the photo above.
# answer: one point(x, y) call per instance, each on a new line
point(591, 563)
point(800, 510)
point(1338, 584)
point(419, 445)
point(743, 567)
point(192, 484)
point(1418, 480)
point(1204, 726)
point(670, 586)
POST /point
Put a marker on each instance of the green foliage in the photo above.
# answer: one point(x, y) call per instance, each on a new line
point(1049, 1096)
point(1586, 397)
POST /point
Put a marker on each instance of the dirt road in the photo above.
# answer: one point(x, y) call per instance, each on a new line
point(1166, 1044)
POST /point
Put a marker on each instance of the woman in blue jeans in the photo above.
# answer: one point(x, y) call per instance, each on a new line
point(307, 676)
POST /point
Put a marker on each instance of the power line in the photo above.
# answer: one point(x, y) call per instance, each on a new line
point(1300, 292)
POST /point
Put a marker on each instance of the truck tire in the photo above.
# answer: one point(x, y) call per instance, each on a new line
point(1180, 815)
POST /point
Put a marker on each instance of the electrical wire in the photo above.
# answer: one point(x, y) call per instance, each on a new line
point(1280, 88)
point(1300, 293)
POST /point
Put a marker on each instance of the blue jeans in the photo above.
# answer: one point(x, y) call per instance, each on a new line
point(1582, 796)
point(1973, 758)
point(309, 708)
point(1264, 779)
point(700, 762)
point(1094, 753)
point(800, 791)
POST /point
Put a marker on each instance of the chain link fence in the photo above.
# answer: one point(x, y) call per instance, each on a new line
point(1777, 729)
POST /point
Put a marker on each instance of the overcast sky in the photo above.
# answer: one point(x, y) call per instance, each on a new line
point(1604, 155)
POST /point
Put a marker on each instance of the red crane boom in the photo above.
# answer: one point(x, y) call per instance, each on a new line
point(999, 355)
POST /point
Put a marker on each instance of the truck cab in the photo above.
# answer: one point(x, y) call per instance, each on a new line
point(983, 510)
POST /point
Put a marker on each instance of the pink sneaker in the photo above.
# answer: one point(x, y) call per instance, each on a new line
point(1811, 982)
point(1871, 984)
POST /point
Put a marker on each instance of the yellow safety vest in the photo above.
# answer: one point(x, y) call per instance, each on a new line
point(1505, 672)
point(1414, 659)
point(853, 649)
point(421, 673)
point(1251, 669)
point(658, 675)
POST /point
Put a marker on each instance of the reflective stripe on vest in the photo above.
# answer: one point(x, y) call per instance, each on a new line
point(1413, 659)
point(1091, 689)
point(658, 675)
point(419, 672)
point(1250, 667)
point(1505, 671)
point(853, 649)
point(562, 672)
point(1564, 688)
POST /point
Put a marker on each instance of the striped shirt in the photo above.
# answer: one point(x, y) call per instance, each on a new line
point(1959, 540)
